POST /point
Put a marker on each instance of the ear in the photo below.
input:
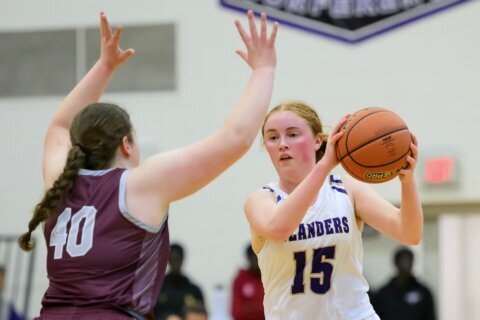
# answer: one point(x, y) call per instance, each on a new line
point(318, 141)
point(125, 147)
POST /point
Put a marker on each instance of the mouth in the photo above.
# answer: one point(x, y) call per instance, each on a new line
point(285, 157)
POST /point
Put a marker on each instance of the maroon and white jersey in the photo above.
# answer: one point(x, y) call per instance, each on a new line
point(99, 255)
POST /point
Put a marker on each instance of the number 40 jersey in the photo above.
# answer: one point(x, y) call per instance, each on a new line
point(317, 272)
point(99, 255)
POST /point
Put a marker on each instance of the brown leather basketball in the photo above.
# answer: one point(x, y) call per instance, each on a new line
point(374, 146)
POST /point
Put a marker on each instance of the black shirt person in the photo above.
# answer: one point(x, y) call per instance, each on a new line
point(404, 297)
point(178, 292)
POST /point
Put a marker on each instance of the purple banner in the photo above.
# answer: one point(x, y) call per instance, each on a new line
point(350, 21)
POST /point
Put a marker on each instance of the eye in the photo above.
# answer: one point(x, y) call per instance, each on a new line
point(272, 138)
point(293, 134)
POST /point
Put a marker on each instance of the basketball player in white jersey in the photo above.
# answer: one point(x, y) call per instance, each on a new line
point(306, 228)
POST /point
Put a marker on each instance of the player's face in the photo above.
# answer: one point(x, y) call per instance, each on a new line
point(290, 143)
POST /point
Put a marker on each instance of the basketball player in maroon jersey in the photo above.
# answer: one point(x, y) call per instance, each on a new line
point(105, 212)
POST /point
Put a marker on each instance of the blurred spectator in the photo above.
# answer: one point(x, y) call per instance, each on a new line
point(7, 307)
point(404, 297)
point(178, 292)
point(247, 291)
point(197, 312)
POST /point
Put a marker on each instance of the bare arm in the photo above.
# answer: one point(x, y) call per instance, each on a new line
point(404, 224)
point(87, 91)
point(277, 222)
point(173, 175)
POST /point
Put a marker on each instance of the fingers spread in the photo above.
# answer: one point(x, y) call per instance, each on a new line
point(117, 35)
point(242, 55)
point(263, 27)
point(126, 54)
point(243, 34)
point(105, 29)
point(273, 35)
point(253, 27)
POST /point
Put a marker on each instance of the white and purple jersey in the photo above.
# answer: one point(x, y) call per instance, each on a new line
point(317, 272)
point(99, 255)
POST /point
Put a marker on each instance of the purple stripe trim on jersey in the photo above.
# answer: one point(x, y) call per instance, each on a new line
point(333, 180)
point(123, 207)
point(273, 191)
point(339, 189)
point(268, 188)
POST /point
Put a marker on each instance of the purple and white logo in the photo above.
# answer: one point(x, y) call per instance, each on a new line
point(351, 21)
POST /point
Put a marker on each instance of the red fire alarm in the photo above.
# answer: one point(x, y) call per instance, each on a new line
point(440, 170)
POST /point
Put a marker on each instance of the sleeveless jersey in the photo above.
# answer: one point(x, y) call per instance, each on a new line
point(99, 255)
point(317, 272)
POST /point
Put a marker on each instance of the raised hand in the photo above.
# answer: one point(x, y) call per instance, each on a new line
point(111, 54)
point(260, 48)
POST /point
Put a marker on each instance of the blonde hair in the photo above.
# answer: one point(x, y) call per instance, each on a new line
point(307, 112)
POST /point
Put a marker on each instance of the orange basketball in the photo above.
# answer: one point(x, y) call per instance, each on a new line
point(374, 146)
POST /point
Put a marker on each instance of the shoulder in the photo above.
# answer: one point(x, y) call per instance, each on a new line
point(195, 286)
point(422, 286)
point(260, 200)
point(196, 290)
point(266, 193)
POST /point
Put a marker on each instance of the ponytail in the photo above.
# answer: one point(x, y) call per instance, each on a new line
point(52, 198)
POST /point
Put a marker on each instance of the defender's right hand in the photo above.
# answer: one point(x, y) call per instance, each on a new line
point(260, 48)
point(112, 56)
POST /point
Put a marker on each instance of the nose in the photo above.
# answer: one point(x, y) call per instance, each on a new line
point(283, 145)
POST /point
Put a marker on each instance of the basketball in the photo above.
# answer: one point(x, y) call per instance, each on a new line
point(374, 146)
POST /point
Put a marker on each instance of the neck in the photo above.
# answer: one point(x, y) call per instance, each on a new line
point(291, 178)
point(287, 186)
point(290, 182)
point(119, 162)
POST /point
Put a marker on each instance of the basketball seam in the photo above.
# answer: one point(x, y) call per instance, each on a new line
point(383, 164)
point(348, 153)
point(346, 138)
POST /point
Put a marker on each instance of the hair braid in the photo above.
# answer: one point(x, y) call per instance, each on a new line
point(95, 134)
point(52, 198)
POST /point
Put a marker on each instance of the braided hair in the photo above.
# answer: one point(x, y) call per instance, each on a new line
point(96, 133)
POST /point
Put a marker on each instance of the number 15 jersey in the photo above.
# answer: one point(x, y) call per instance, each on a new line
point(317, 272)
